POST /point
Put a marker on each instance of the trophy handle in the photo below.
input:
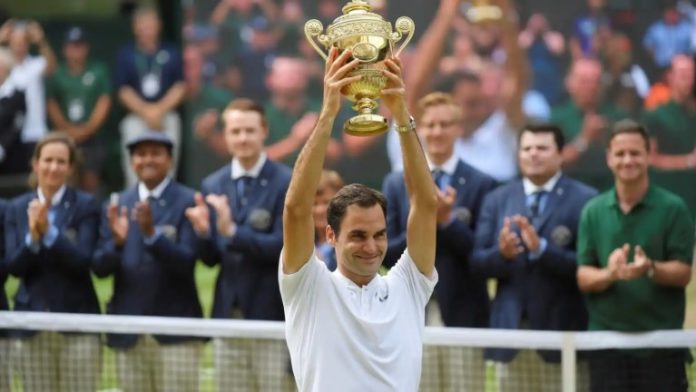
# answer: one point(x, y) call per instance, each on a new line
point(403, 25)
point(314, 29)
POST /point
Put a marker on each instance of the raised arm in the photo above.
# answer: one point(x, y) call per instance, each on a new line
point(298, 225)
point(422, 223)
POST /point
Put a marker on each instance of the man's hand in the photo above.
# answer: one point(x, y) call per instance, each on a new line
point(337, 67)
point(617, 262)
point(143, 215)
point(530, 237)
point(35, 33)
point(206, 124)
point(225, 223)
point(640, 265)
point(118, 223)
point(199, 216)
point(509, 243)
point(6, 31)
point(394, 94)
point(592, 127)
point(445, 202)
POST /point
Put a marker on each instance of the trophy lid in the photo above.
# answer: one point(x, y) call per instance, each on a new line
point(356, 5)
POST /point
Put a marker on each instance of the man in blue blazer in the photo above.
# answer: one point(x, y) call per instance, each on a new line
point(526, 238)
point(245, 235)
point(460, 299)
point(149, 247)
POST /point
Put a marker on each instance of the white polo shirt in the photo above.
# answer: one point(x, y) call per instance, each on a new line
point(343, 337)
point(28, 76)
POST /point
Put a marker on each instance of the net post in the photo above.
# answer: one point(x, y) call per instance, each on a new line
point(568, 362)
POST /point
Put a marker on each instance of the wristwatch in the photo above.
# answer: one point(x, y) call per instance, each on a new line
point(410, 127)
point(651, 270)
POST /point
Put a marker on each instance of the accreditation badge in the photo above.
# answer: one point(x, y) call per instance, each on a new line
point(76, 110)
point(150, 85)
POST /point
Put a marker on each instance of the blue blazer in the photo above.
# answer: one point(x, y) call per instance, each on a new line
point(249, 260)
point(463, 298)
point(542, 291)
point(152, 279)
point(57, 277)
point(3, 266)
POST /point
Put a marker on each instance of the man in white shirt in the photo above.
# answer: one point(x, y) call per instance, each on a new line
point(352, 329)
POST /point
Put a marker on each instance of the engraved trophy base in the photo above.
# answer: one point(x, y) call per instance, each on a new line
point(366, 125)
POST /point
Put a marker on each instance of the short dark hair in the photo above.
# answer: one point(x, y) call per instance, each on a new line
point(554, 129)
point(449, 83)
point(628, 126)
point(358, 194)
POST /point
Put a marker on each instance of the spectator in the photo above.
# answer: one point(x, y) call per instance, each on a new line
point(234, 17)
point(585, 119)
point(256, 60)
point(291, 114)
point(460, 300)
point(590, 31)
point(51, 234)
point(12, 110)
point(149, 247)
point(635, 247)
point(526, 238)
point(247, 198)
point(544, 48)
point(669, 36)
point(330, 183)
point(5, 374)
point(204, 104)
point(149, 79)
point(79, 102)
point(490, 137)
point(27, 75)
point(627, 83)
point(672, 134)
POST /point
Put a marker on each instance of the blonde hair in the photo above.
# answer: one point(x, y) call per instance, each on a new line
point(50, 138)
point(438, 98)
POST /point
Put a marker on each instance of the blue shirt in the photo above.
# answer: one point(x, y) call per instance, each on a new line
point(665, 41)
point(134, 68)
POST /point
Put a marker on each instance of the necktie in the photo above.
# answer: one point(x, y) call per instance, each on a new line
point(438, 174)
point(535, 204)
point(244, 184)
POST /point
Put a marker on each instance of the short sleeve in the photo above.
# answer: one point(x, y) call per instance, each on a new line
point(299, 288)
point(420, 286)
point(587, 246)
point(103, 87)
point(680, 238)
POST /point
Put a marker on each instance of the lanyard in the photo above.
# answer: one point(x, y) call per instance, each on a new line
point(153, 66)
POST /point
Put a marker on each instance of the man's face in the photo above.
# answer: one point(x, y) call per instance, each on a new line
point(19, 42)
point(244, 134)
point(627, 157)
point(321, 204)
point(584, 82)
point(468, 95)
point(681, 77)
point(439, 127)
point(193, 64)
point(76, 52)
point(151, 162)
point(288, 77)
point(53, 166)
point(539, 157)
point(362, 242)
point(146, 27)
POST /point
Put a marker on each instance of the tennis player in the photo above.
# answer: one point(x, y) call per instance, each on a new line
point(352, 329)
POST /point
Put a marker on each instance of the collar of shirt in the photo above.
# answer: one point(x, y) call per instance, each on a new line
point(352, 287)
point(55, 199)
point(448, 167)
point(143, 192)
point(239, 171)
point(530, 188)
point(7, 88)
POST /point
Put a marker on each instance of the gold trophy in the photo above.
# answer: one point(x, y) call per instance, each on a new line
point(482, 12)
point(371, 40)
